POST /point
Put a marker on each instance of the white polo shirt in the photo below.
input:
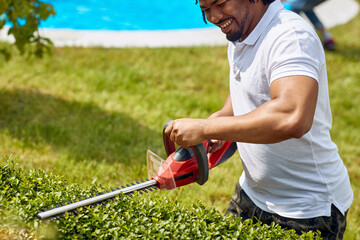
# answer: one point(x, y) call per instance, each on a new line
point(296, 178)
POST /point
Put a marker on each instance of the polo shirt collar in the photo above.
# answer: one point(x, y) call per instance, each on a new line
point(270, 13)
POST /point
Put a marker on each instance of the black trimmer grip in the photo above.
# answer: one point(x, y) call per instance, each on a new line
point(202, 162)
point(199, 152)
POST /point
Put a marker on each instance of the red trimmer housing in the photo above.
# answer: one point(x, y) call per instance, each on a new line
point(187, 165)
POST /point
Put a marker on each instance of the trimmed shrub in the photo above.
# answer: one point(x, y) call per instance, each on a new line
point(24, 192)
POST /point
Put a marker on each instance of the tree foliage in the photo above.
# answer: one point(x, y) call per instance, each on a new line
point(24, 18)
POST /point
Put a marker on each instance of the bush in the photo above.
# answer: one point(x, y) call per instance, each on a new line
point(24, 192)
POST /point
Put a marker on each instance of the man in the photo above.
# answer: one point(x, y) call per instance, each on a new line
point(279, 114)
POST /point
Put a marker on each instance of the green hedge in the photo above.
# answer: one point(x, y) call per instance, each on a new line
point(24, 192)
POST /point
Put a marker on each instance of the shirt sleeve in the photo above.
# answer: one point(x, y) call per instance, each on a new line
point(295, 52)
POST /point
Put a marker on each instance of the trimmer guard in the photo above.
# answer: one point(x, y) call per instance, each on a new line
point(159, 170)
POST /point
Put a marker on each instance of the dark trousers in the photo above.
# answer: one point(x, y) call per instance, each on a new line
point(332, 227)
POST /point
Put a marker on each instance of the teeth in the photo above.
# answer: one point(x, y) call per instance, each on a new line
point(226, 24)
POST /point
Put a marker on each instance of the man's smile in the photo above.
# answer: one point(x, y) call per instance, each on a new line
point(224, 25)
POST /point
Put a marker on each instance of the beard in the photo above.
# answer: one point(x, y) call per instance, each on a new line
point(235, 36)
point(240, 31)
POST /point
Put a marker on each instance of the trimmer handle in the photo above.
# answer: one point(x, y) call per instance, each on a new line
point(199, 152)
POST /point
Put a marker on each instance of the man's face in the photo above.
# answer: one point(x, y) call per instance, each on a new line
point(236, 18)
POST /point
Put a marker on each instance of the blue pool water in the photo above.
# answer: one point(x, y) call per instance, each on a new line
point(125, 15)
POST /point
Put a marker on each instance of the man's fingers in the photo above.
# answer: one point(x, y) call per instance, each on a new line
point(215, 145)
point(168, 129)
point(172, 133)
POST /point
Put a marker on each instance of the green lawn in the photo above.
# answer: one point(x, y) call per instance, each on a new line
point(90, 114)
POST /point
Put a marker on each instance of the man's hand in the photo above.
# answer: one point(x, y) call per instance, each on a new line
point(215, 145)
point(187, 132)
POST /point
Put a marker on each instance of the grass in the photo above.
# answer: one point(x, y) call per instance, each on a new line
point(90, 114)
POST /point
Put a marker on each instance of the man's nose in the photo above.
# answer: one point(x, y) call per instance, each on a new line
point(216, 16)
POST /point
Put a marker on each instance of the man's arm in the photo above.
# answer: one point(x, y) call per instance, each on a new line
point(289, 114)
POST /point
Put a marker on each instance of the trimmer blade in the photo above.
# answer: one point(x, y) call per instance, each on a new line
point(102, 197)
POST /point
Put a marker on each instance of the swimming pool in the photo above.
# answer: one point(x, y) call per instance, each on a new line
point(125, 15)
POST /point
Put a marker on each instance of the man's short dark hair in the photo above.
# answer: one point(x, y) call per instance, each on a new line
point(265, 2)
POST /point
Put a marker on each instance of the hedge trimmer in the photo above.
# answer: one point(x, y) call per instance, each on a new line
point(182, 167)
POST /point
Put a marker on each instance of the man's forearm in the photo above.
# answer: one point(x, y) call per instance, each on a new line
point(251, 128)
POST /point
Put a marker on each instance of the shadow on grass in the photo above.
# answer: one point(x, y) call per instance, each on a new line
point(81, 131)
